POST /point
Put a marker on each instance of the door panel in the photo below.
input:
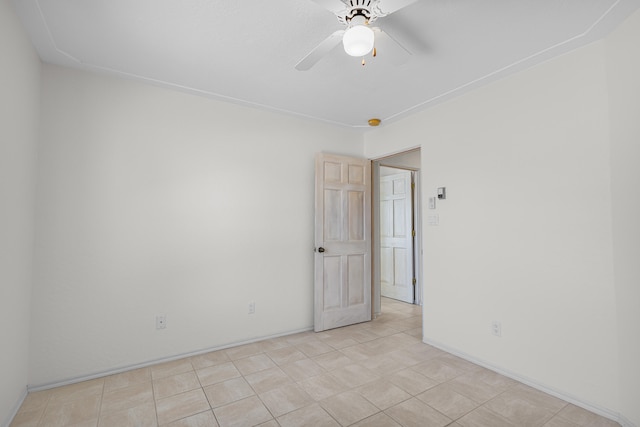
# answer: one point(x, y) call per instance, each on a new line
point(355, 266)
point(343, 230)
point(332, 215)
point(396, 241)
point(331, 282)
point(356, 215)
point(399, 218)
point(400, 266)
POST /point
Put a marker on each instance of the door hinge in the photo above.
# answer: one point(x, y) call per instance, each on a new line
point(413, 186)
point(414, 281)
point(413, 233)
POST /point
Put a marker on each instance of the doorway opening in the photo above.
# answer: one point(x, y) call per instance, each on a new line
point(397, 260)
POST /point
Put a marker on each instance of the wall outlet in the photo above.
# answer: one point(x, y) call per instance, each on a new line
point(252, 307)
point(496, 328)
point(161, 321)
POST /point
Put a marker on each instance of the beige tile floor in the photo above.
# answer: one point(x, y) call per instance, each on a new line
point(372, 374)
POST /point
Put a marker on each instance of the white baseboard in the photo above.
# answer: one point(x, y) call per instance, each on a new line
point(625, 422)
point(73, 380)
point(607, 413)
point(15, 409)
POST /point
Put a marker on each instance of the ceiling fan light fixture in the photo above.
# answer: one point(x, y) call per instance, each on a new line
point(358, 40)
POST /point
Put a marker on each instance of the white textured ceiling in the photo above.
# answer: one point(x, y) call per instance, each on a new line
point(245, 51)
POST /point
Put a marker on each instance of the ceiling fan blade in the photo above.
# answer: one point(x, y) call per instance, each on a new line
point(335, 6)
point(320, 51)
point(389, 47)
point(395, 40)
point(389, 6)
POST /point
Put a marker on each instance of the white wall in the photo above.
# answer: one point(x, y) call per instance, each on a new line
point(623, 69)
point(155, 201)
point(525, 233)
point(19, 109)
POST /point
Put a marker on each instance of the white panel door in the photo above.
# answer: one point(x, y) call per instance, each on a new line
point(343, 242)
point(396, 240)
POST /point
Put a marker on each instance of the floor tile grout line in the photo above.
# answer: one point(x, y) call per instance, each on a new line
point(41, 417)
point(265, 405)
point(187, 416)
point(101, 401)
point(155, 401)
point(515, 384)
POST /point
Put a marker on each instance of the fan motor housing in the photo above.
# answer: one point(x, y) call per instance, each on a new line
point(368, 9)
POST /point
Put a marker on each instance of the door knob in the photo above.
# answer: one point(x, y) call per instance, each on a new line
point(320, 249)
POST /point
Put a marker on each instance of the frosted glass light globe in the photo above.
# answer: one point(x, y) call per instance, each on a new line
point(358, 40)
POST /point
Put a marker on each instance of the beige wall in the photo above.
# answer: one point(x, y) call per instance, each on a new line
point(623, 73)
point(19, 106)
point(524, 236)
point(158, 202)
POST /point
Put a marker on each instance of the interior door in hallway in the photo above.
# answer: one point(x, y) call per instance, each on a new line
point(342, 289)
point(396, 236)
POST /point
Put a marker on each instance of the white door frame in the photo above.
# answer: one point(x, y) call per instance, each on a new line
point(397, 238)
point(375, 235)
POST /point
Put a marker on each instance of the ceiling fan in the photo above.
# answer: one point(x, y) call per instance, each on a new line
point(359, 38)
